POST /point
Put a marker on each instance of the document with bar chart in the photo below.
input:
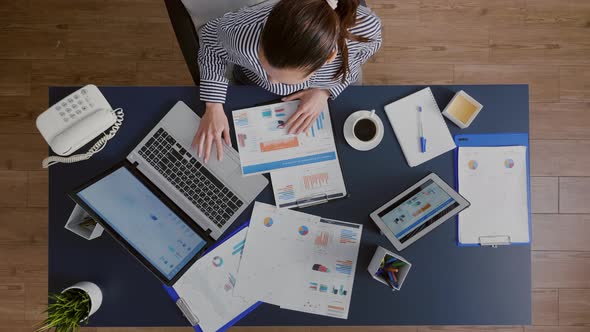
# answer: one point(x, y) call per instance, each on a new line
point(322, 285)
point(207, 286)
point(308, 185)
point(265, 145)
point(299, 261)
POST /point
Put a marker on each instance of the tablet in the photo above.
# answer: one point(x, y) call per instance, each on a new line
point(418, 210)
point(144, 221)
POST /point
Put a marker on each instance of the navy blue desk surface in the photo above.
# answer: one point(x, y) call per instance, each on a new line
point(447, 284)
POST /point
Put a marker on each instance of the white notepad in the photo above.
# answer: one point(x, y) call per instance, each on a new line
point(494, 181)
point(403, 115)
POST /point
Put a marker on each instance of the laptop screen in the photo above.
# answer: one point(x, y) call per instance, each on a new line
point(143, 220)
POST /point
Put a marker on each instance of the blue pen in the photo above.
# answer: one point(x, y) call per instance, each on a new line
point(421, 130)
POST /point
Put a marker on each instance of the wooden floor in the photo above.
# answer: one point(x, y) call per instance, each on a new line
point(545, 43)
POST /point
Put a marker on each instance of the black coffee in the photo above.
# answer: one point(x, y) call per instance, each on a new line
point(365, 130)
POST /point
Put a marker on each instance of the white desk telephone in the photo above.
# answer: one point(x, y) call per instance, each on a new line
point(75, 121)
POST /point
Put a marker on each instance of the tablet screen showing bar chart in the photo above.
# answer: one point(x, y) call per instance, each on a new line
point(417, 210)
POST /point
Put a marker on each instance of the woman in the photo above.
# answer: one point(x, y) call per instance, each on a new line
point(308, 49)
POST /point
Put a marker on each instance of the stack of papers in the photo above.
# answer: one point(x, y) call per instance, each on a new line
point(207, 286)
point(299, 261)
point(304, 168)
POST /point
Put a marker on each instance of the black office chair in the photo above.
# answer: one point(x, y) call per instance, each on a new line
point(185, 27)
point(186, 35)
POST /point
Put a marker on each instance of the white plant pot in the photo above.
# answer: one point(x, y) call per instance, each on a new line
point(93, 292)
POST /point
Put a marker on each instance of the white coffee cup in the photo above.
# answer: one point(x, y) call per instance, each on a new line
point(371, 132)
point(371, 136)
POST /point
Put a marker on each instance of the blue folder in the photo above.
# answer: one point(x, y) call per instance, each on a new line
point(499, 139)
point(229, 324)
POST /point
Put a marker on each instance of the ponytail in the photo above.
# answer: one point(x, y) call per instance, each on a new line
point(346, 11)
point(304, 33)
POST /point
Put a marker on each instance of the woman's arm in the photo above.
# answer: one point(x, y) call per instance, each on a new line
point(212, 64)
point(218, 37)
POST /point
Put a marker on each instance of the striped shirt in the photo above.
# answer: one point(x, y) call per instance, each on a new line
point(235, 38)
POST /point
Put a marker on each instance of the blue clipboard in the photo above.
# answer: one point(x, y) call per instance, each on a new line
point(499, 139)
point(174, 296)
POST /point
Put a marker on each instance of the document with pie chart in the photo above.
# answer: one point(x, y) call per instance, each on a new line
point(494, 181)
point(299, 261)
point(208, 285)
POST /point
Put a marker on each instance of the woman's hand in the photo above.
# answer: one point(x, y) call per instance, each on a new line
point(213, 125)
point(313, 102)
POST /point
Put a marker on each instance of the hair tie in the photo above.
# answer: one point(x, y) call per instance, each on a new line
point(332, 3)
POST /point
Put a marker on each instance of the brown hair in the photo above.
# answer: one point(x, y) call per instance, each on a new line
point(304, 33)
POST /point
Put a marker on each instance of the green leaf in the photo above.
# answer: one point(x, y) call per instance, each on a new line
point(66, 311)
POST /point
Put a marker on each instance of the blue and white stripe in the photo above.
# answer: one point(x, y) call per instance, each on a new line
point(235, 38)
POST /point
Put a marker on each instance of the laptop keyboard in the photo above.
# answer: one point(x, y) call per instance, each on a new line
point(189, 176)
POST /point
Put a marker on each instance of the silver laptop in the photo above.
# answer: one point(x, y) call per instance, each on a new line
point(212, 194)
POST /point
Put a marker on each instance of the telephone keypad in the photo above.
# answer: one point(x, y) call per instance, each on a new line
point(79, 105)
point(75, 106)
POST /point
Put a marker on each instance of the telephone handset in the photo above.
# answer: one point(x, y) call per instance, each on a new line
point(76, 120)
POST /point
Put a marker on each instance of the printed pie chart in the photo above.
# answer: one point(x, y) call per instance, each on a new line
point(508, 163)
point(217, 261)
point(268, 221)
point(472, 164)
point(303, 230)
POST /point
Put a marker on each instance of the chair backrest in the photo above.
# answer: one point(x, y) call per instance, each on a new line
point(202, 11)
point(188, 16)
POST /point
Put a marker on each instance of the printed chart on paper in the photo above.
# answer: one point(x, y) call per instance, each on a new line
point(309, 262)
point(265, 145)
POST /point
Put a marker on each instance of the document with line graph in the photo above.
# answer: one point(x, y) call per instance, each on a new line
point(265, 145)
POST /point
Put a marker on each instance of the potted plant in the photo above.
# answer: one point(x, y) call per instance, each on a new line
point(72, 307)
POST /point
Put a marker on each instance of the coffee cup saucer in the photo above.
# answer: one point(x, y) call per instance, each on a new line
point(354, 142)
